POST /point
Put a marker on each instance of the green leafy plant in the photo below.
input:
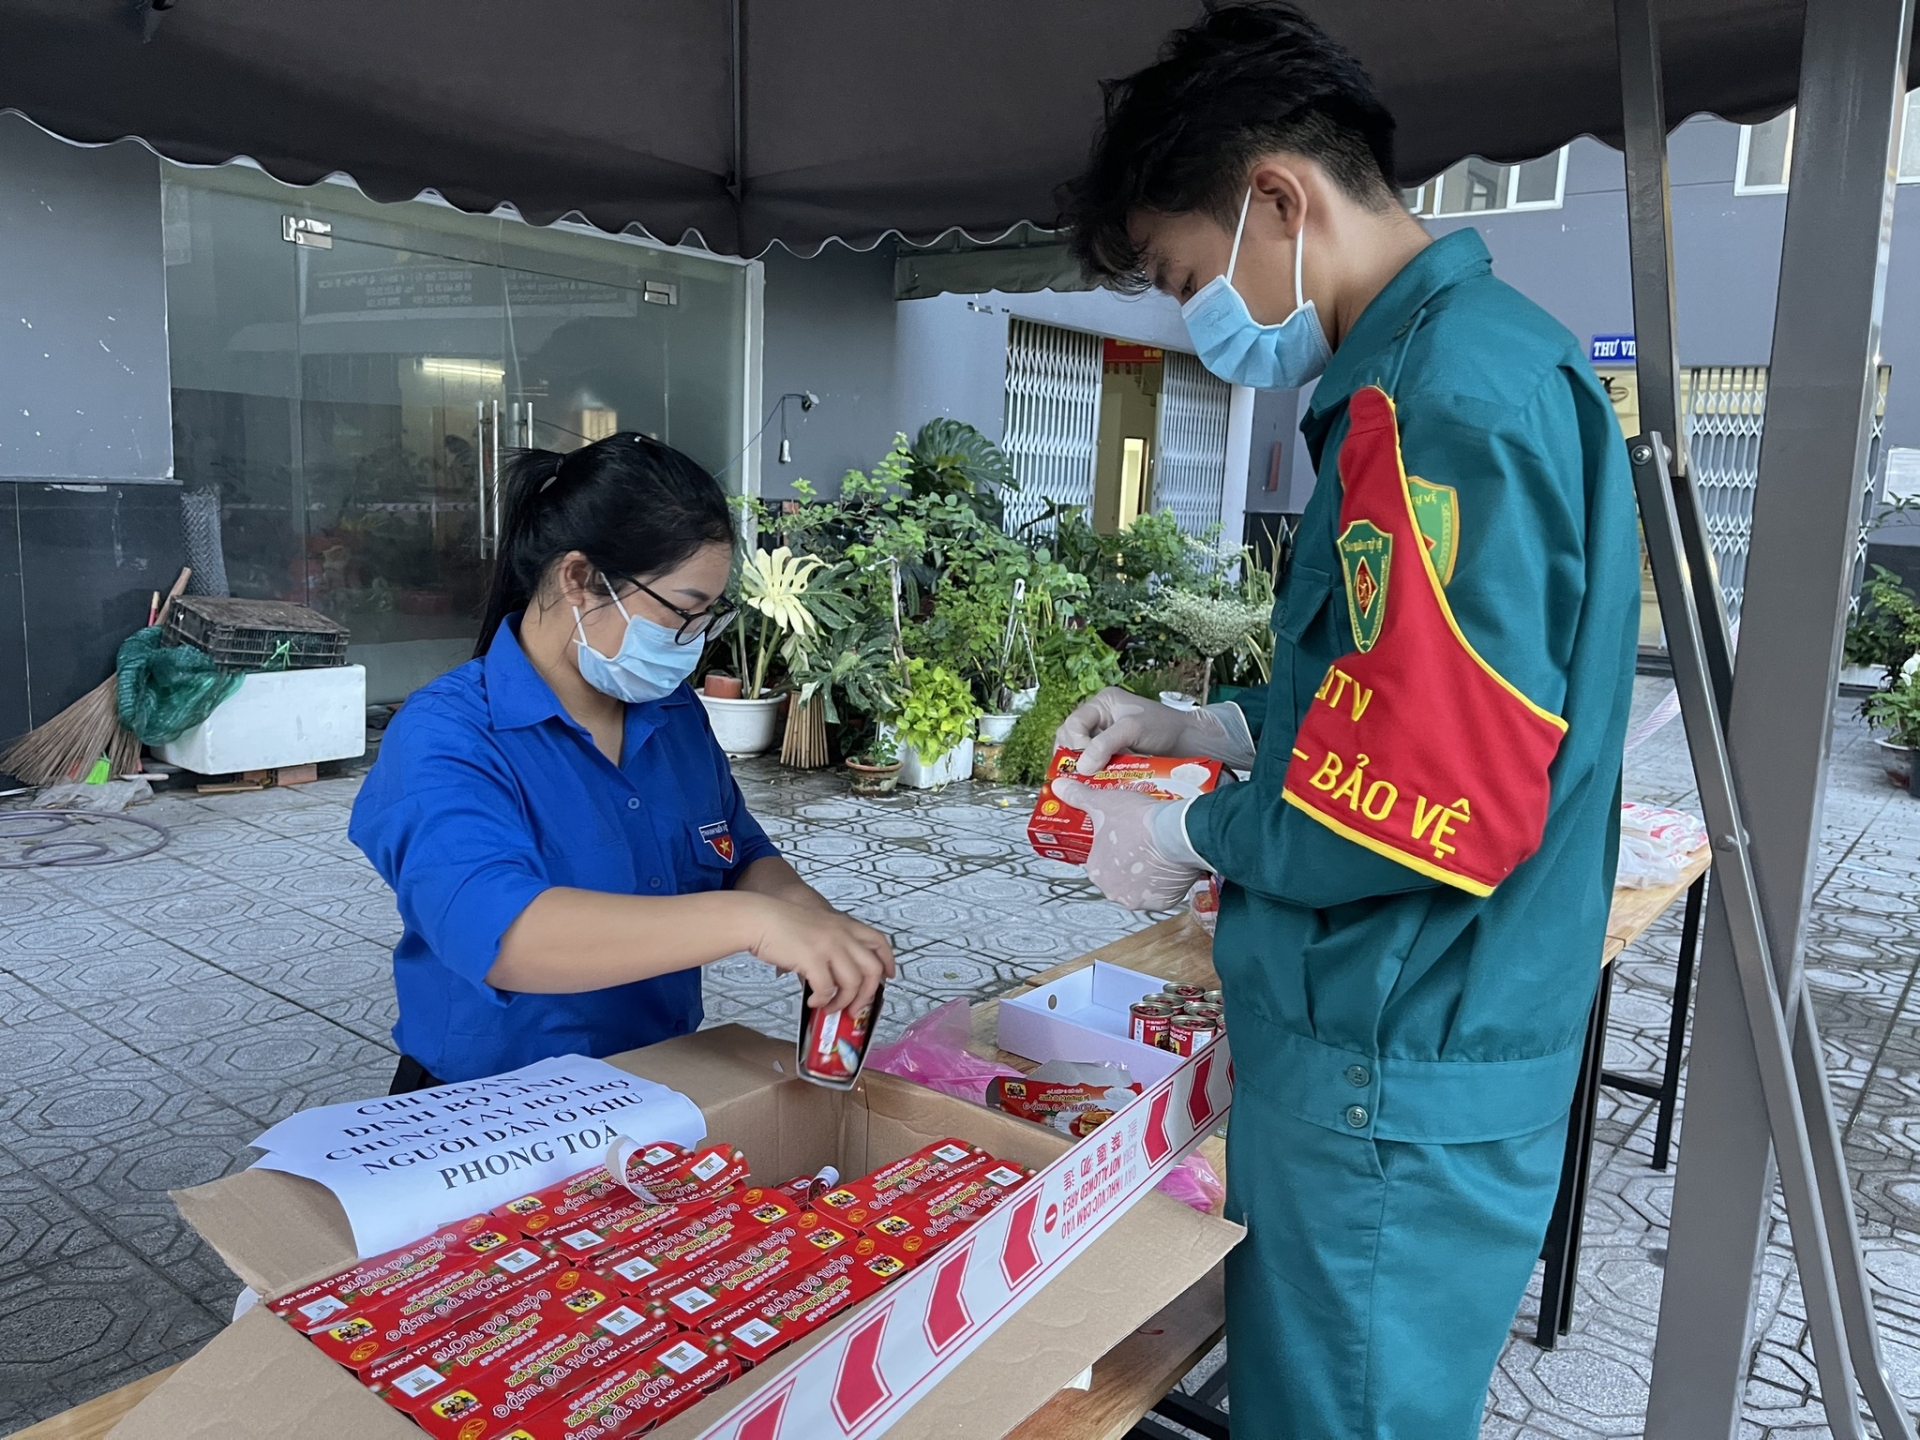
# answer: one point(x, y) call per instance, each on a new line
point(953, 457)
point(938, 712)
point(776, 619)
point(1896, 709)
point(1886, 631)
point(1073, 665)
point(879, 750)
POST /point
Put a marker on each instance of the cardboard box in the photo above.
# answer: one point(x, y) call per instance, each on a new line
point(1060, 831)
point(1083, 1016)
point(279, 1232)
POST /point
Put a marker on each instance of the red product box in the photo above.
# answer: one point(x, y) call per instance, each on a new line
point(568, 1353)
point(858, 1201)
point(674, 1248)
point(777, 1256)
point(410, 1316)
point(1060, 831)
point(808, 1188)
point(934, 1217)
point(367, 1283)
point(674, 1175)
point(438, 1383)
point(563, 1204)
point(620, 1224)
point(631, 1399)
point(776, 1318)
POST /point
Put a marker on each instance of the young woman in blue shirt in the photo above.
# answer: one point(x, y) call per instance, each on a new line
point(562, 833)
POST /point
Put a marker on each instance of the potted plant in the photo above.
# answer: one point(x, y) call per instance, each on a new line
point(875, 767)
point(1896, 710)
point(1884, 634)
point(775, 625)
point(934, 727)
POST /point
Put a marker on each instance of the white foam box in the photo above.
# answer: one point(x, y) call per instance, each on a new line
point(278, 718)
point(1084, 1016)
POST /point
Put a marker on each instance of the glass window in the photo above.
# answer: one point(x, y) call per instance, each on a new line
point(1766, 152)
point(350, 400)
point(1478, 187)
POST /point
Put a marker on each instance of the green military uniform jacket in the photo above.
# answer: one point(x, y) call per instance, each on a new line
point(1364, 996)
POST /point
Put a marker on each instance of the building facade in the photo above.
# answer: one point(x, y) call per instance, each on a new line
point(330, 383)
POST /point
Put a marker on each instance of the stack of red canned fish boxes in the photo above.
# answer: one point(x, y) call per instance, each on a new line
point(587, 1311)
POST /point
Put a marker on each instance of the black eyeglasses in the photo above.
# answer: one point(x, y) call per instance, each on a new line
point(703, 625)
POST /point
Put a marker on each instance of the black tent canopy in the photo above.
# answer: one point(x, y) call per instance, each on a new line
point(749, 122)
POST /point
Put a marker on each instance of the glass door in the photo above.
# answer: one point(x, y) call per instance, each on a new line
point(402, 398)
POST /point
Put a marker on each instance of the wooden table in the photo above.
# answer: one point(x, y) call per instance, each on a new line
point(1133, 1377)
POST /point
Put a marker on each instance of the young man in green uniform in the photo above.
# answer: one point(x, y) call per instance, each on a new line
point(1417, 878)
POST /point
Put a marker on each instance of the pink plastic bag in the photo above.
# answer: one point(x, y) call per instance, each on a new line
point(1193, 1182)
point(932, 1051)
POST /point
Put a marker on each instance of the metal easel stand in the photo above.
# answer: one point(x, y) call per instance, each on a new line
point(1793, 1079)
point(1759, 1083)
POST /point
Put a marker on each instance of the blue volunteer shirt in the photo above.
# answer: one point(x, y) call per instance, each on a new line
point(487, 792)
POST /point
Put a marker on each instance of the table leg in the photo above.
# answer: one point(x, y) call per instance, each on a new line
point(1602, 1004)
point(1561, 1250)
point(1669, 1096)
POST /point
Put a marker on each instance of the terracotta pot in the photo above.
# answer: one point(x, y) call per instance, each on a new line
point(873, 779)
point(721, 687)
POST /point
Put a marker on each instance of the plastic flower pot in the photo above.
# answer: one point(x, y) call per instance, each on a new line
point(744, 727)
point(994, 729)
point(722, 687)
point(956, 764)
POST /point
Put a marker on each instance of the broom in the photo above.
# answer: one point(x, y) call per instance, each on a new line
point(73, 743)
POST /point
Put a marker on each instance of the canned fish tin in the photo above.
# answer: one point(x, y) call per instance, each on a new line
point(1190, 1034)
point(1181, 992)
point(1201, 1007)
point(833, 1044)
point(1149, 1023)
point(1215, 997)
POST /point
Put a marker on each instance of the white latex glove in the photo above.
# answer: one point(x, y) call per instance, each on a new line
point(1126, 863)
point(1118, 721)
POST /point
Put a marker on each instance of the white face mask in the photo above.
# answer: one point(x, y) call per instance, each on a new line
point(1240, 350)
point(649, 664)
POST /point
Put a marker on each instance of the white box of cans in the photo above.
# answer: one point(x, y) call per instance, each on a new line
point(1084, 1016)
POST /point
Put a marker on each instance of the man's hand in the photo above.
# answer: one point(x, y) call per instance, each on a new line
point(1118, 722)
point(1126, 863)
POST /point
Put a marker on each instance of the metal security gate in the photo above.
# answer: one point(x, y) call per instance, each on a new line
point(1724, 409)
point(1053, 417)
point(1190, 450)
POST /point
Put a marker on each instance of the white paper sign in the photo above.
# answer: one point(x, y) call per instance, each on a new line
point(403, 1165)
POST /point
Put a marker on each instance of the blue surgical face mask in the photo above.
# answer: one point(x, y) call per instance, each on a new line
point(1237, 348)
point(650, 662)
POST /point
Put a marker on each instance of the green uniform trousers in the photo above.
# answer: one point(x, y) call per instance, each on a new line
point(1379, 1279)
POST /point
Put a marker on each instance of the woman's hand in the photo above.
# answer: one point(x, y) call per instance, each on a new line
point(842, 961)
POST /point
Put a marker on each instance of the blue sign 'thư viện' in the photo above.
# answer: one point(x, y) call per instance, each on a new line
point(1610, 349)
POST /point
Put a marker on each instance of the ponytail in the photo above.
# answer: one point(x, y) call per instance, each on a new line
point(634, 507)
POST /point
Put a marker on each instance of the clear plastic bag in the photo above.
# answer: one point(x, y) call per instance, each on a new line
point(1655, 844)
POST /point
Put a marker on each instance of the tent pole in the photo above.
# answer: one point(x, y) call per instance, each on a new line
point(1778, 721)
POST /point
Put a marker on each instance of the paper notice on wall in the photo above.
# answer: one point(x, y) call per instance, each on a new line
point(402, 1165)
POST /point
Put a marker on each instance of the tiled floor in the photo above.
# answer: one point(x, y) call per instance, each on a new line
point(157, 1015)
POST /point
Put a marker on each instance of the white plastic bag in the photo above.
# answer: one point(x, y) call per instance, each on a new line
point(1655, 844)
